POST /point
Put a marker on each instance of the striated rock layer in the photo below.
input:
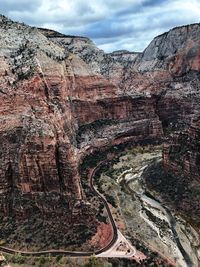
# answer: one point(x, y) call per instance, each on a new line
point(61, 97)
point(182, 153)
point(177, 178)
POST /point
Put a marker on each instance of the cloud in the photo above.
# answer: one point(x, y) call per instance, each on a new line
point(113, 24)
point(19, 5)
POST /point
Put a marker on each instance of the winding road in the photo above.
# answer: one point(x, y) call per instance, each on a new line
point(74, 253)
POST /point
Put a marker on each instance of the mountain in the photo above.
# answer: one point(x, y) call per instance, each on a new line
point(62, 99)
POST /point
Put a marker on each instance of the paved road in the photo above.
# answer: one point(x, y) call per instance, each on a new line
point(73, 253)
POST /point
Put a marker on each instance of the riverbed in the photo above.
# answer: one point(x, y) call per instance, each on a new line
point(145, 217)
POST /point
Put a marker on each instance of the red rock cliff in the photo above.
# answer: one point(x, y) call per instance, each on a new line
point(182, 153)
point(60, 96)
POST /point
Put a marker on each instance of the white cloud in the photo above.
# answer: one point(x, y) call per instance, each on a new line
point(113, 24)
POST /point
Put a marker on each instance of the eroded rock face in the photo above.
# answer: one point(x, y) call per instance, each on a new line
point(112, 119)
point(61, 96)
point(182, 153)
point(34, 132)
point(168, 69)
point(177, 178)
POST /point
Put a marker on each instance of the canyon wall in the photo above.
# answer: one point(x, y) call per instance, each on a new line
point(167, 70)
point(182, 152)
point(61, 95)
point(165, 76)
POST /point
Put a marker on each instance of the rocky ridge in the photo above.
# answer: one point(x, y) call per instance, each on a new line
point(62, 97)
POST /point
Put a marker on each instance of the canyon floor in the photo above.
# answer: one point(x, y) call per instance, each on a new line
point(140, 214)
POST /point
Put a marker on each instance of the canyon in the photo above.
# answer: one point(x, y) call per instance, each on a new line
point(63, 101)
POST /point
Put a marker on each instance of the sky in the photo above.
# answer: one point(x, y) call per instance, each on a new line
point(111, 24)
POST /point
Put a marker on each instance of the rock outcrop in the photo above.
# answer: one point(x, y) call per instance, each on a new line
point(177, 178)
point(168, 69)
point(182, 153)
point(61, 96)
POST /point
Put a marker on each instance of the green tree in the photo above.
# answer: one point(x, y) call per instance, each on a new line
point(94, 262)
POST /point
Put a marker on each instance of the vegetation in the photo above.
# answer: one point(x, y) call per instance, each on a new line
point(176, 191)
point(100, 217)
point(16, 258)
point(23, 66)
point(93, 126)
point(41, 261)
point(63, 229)
point(59, 258)
point(94, 262)
point(2, 242)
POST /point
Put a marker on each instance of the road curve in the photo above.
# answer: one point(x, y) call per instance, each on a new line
point(55, 253)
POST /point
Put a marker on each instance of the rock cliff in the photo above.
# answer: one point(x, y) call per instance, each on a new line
point(61, 97)
point(176, 179)
point(182, 153)
point(181, 159)
point(167, 70)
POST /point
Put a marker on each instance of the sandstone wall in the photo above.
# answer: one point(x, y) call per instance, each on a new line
point(61, 95)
